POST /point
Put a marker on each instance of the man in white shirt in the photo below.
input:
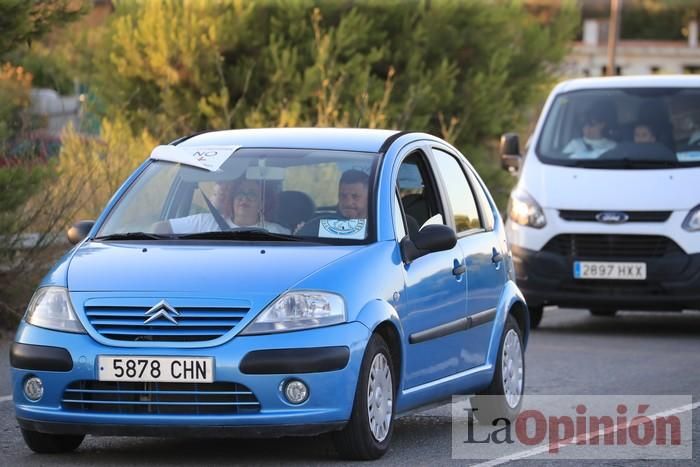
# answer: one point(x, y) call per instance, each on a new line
point(350, 220)
point(593, 142)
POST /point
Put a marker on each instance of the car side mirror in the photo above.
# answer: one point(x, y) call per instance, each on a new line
point(429, 239)
point(510, 152)
point(79, 231)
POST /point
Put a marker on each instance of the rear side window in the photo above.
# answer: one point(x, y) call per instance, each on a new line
point(458, 191)
point(484, 205)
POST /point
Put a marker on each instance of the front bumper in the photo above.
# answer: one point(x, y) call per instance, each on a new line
point(187, 431)
point(328, 407)
point(546, 278)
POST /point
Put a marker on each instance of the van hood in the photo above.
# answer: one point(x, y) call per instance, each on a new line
point(217, 270)
point(560, 187)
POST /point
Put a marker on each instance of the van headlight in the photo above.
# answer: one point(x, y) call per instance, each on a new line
point(51, 308)
point(524, 210)
point(692, 220)
point(299, 310)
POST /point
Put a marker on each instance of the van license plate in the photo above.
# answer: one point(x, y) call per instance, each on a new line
point(610, 270)
point(156, 369)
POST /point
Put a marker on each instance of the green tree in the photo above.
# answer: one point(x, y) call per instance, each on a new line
point(24, 204)
point(22, 21)
point(464, 69)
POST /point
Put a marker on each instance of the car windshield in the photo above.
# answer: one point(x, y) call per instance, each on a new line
point(623, 128)
point(256, 195)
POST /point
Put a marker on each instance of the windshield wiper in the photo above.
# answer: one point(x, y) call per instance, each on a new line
point(624, 163)
point(242, 234)
point(135, 236)
point(638, 163)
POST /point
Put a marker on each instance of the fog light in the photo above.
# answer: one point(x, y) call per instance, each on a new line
point(33, 388)
point(296, 391)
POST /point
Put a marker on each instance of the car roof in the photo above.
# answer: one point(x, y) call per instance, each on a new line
point(341, 139)
point(642, 81)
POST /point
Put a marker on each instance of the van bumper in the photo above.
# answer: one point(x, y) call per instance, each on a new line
point(546, 278)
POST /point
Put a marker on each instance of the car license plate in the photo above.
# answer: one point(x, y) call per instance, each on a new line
point(156, 369)
point(610, 270)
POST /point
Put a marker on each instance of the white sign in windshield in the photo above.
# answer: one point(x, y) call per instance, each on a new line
point(342, 228)
point(207, 157)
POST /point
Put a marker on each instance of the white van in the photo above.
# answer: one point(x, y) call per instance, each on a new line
point(606, 212)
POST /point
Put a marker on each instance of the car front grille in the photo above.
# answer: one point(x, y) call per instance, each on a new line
point(611, 246)
point(127, 323)
point(633, 216)
point(219, 398)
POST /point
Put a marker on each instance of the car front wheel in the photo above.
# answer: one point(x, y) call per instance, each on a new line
point(46, 443)
point(368, 433)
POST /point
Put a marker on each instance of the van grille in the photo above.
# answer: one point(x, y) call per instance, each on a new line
point(221, 398)
point(634, 216)
point(126, 323)
point(614, 246)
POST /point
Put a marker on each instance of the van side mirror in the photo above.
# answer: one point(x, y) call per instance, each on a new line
point(429, 239)
point(79, 231)
point(510, 152)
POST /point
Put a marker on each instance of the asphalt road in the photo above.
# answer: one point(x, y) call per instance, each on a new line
point(571, 353)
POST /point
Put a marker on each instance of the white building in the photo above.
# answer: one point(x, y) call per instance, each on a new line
point(57, 110)
point(589, 57)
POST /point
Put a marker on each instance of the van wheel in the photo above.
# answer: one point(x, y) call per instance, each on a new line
point(46, 443)
point(504, 397)
point(535, 316)
point(606, 312)
point(368, 433)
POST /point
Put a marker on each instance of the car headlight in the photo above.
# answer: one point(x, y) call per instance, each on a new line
point(299, 310)
point(524, 210)
point(692, 220)
point(51, 308)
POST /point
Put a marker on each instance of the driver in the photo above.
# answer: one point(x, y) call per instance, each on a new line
point(243, 209)
point(350, 218)
point(353, 190)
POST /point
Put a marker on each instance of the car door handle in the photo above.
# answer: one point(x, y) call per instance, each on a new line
point(459, 270)
point(496, 257)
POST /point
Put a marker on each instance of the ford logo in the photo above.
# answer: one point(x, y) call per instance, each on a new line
point(612, 217)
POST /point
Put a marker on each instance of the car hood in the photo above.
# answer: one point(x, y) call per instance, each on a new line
point(217, 270)
point(635, 190)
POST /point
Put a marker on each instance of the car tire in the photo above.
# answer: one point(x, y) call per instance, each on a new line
point(535, 316)
point(47, 443)
point(605, 312)
point(504, 396)
point(364, 437)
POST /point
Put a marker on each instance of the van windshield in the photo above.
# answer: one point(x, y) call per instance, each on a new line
point(320, 196)
point(636, 128)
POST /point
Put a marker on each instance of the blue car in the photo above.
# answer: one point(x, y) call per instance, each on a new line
point(276, 282)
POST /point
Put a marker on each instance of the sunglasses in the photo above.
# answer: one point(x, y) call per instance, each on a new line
point(251, 195)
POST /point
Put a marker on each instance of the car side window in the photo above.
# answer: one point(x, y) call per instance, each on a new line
point(399, 226)
point(484, 204)
point(418, 193)
point(458, 191)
